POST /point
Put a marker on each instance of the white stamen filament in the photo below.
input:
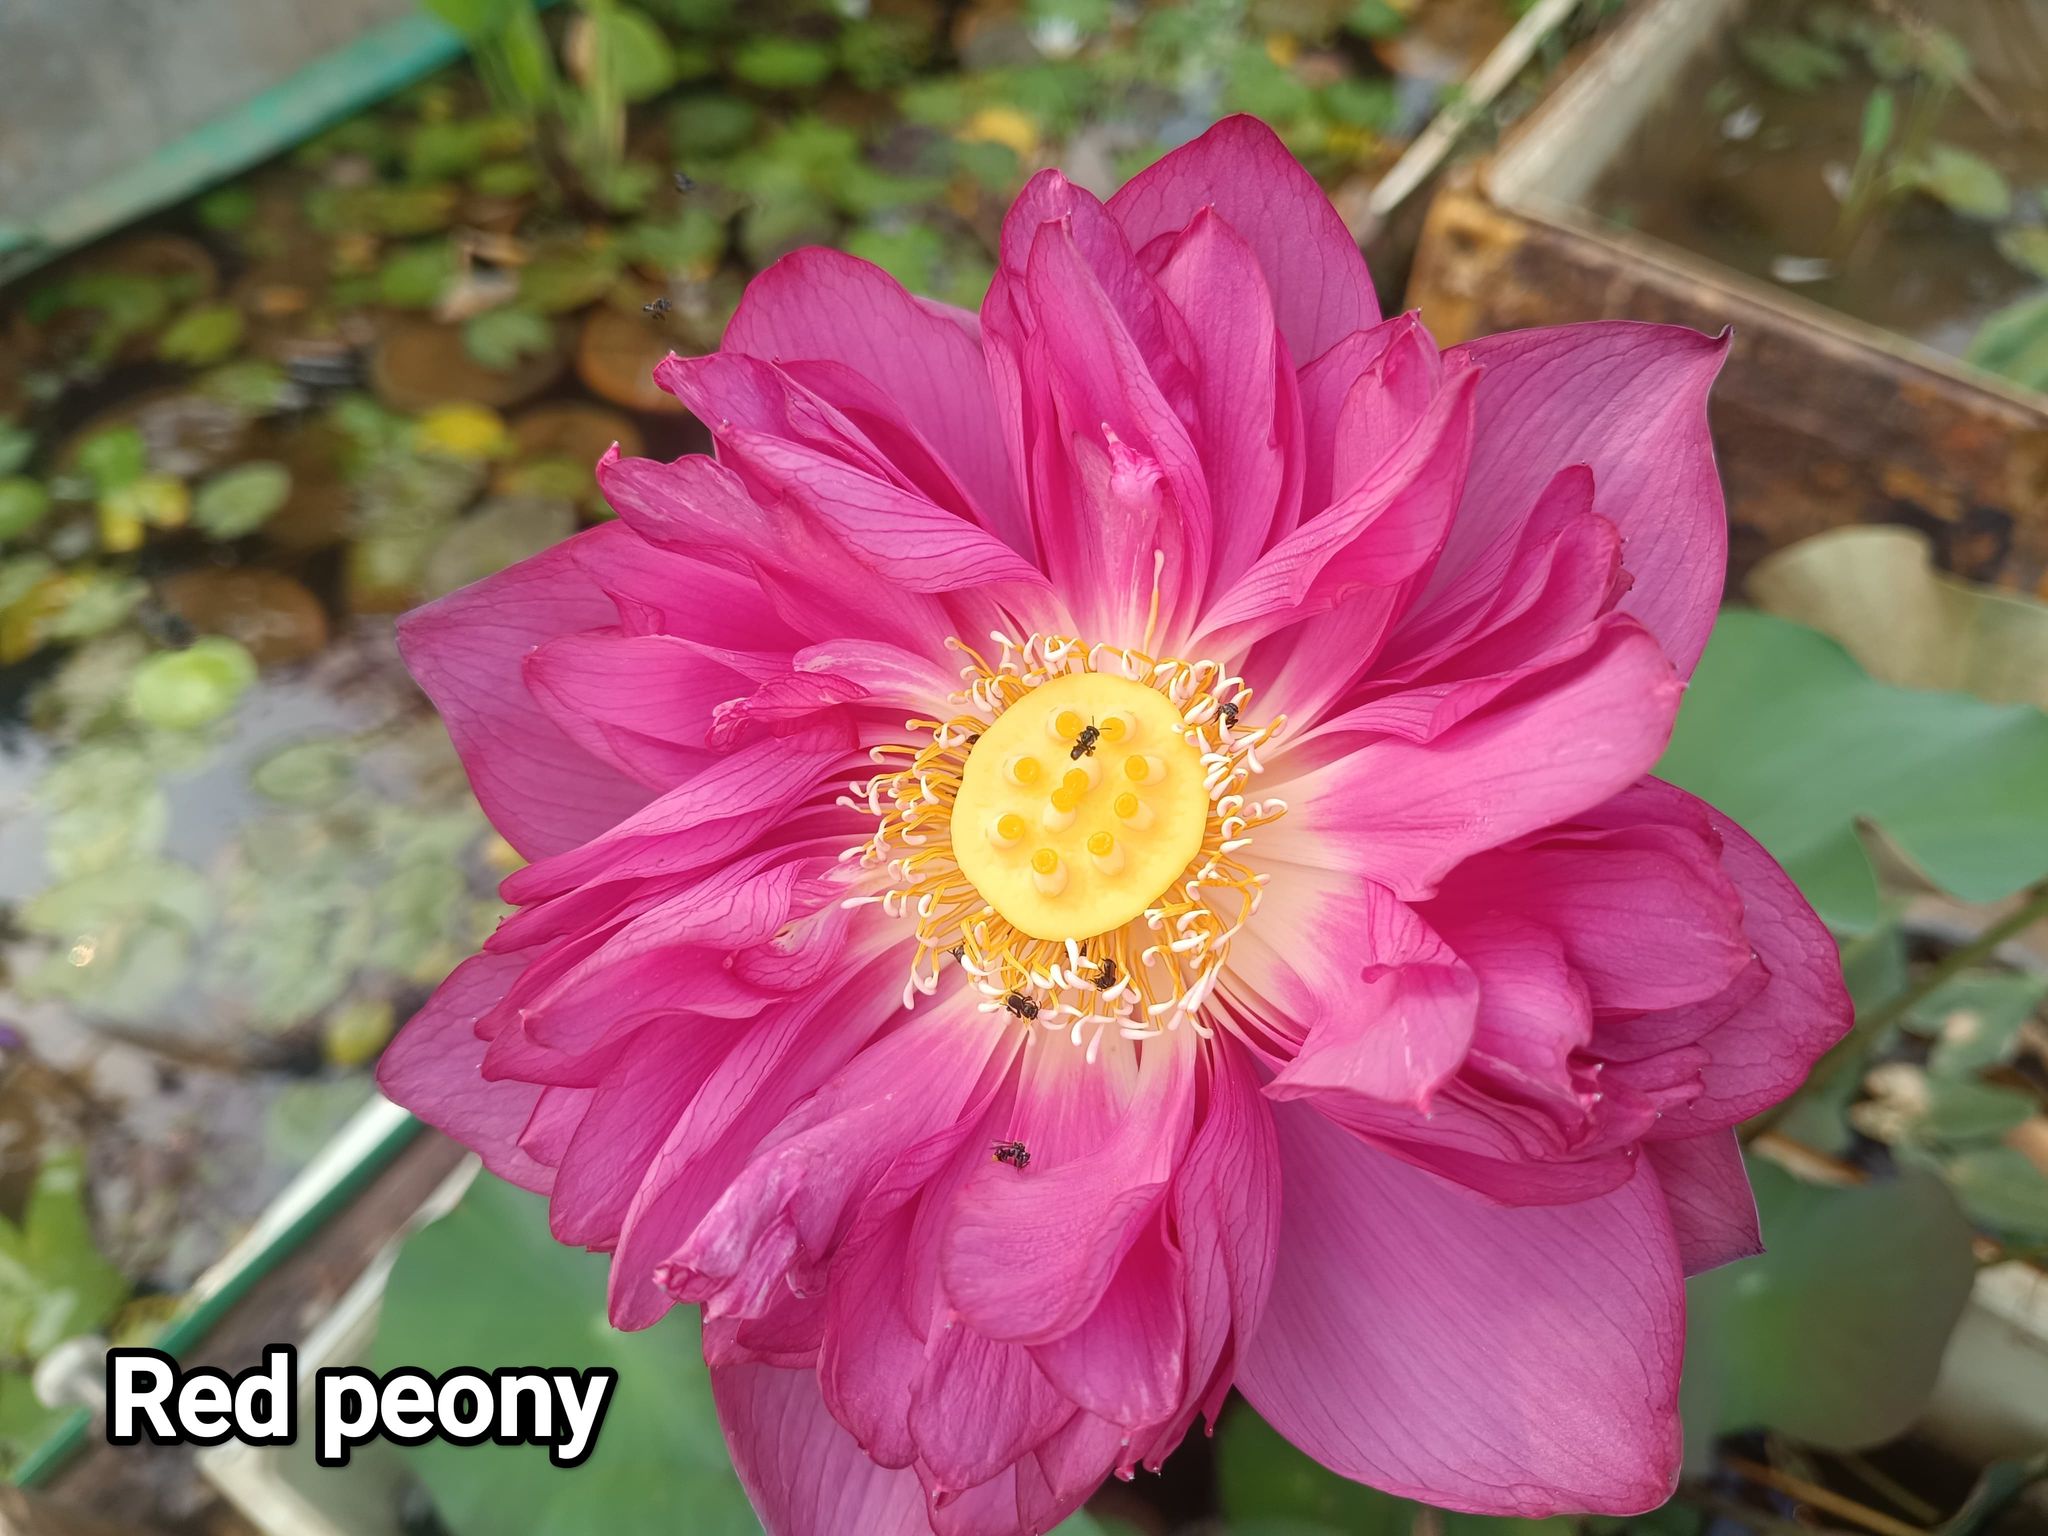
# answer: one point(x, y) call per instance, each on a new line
point(1158, 985)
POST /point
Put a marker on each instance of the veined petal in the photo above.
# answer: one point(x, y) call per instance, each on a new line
point(838, 552)
point(1713, 1211)
point(1405, 813)
point(1507, 1361)
point(1245, 396)
point(1566, 573)
point(642, 703)
point(1389, 1008)
point(978, 1405)
point(1385, 403)
point(706, 819)
point(1338, 390)
point(873, 1352)
point(1511, 1153)
point(1130, 481)
point(880, 1302)
point(1629, 401)
point(1534, 1010)
point(829, 306)
point(804, 1474)
point(1762, 1050)
point(1646, 916)
point(1028, 1258)
point(1377, 536)
point(435, 1069)
point(635, 1108)
point(790, 1053)
point(1127, 1362)
point(891, 531)
point(781, 1219)
point(1321, 290)
point(540, 789)
point(1225, 1209)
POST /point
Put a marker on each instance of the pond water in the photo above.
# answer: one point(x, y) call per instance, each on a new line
point(221, 892)
point(1757, 152)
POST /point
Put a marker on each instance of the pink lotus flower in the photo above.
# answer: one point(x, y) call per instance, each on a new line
point(1102, 853)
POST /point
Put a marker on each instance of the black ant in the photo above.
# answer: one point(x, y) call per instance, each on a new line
point(1013, 1153)
point(1229, 713)
point(1084, 744)
point(1106, 977)
point(1021, 1005)
point(658, 308)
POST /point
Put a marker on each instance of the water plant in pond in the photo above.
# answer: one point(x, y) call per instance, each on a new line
point(1863, 152)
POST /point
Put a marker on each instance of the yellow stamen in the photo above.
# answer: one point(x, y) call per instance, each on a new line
point(1142, 883)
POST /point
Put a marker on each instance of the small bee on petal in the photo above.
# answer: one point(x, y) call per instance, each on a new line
point(1013, 1153)
point(1021, 1005)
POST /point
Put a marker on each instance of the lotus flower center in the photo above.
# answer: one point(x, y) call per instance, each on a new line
point(1073, 837)
point(1079, 806)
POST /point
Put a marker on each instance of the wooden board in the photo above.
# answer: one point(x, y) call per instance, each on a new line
point(142, 1485)
point(1819, 419)
point(1813, 427)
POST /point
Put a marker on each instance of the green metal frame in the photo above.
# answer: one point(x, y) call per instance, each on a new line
point(325, 91)
point(330, 89)
point(184, 1331)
